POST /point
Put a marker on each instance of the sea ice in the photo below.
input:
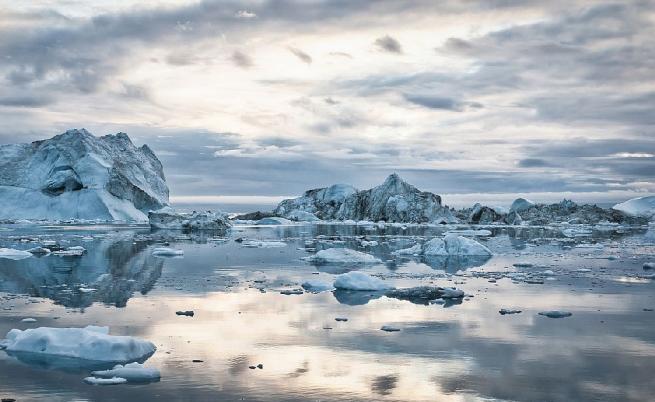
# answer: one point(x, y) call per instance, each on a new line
point(13, 254)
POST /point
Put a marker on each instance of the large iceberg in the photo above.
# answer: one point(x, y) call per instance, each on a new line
point(642, 207)
point(167, 218)
point(90, 343)
point(76, 175)
point(393, 201)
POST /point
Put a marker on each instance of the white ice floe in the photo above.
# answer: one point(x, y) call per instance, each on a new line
point(274, 220)
point(104, 381)
point(316, 286)
point(641, 206)
point(451, 293)
point(360, 281)
point(167, 252)
point(556, 314)
point(13, 254)
point(71, 251)
point(455, 245)
point(389, 328)
point(132, 372)
point(29, 319)
point(89, 343)
point(414, 250)
point(263, 243)
point(342, 256)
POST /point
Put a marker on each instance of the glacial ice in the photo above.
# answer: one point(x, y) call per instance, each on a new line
point(342, 256)
point(521, 204)
point(89, 343)
point(13, 254)
point(131, 372)
point(556, 314)
point(642, 206)
point(167, 218)
point(76, 175)
point(455, 245)
point(104, 381)
point(355, 280)
point(167, 252)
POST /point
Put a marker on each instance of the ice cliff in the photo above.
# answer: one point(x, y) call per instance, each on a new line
point(76, 175)
point(393, 201)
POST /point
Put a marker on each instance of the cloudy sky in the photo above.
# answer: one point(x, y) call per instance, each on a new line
point(269, 98)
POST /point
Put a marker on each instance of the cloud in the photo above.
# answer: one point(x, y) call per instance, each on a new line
point(241, 59)
point(438, 102)
point(245, 14)
point(388, 44)
point(304, 57)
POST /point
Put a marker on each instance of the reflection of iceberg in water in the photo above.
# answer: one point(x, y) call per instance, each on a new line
point(453, 263)
point(114, 268)
point(355, 297)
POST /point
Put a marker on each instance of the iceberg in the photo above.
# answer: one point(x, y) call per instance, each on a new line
point(342, 256)
point(90, 343)
point(132, 372)
point(521, 204)
point(455, 245)
point(76, 175)
point(104, 381)
point(360, 281)
point(642, 207)
point(167, 218)
point(393, 201)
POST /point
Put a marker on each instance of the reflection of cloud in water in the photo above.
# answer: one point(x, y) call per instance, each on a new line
point(384, 384)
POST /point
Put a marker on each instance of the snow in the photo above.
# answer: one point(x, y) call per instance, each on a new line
point(167, 252)
point(455, 245)
point(89, 343)
point(104, 381)
point(360, 281)
point(521, 204)
point(13, 254)
point(342, 256)
point(641, 206)
point(131, 372)
point(76, 175)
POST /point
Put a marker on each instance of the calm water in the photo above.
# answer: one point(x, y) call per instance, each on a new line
point(458, 352)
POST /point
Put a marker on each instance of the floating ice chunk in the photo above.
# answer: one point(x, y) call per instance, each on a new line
point(90, 343)
point(39, 251)
point(455, 245)
point(316, 286)
point(13, 254)
point(342, 256)
point(365, 243)
point(556, 314)
point(71, 251)
point(274, 220)
point(289, 292)
point(521, 204)
point(132, 372)
point(167, 252)
point(414, 250)
point(451, 293)
point(28, 319)
point(389, 328)
point(263, 243)
point(104, 381)
point(360, 281)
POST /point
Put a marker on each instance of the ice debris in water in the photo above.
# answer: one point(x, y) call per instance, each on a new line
point(13, 254)
point(89, 343)
point(167, 252)
point(504, 311)
point(556, 314)
point(316, 286)
point(29, 319)
point(104, 381)
point(131, 372)
point(342, 256)
point(455, 245)
point(262, 243)
point(360, 281)
point(389, 328)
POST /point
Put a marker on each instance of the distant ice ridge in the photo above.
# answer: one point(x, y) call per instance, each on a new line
point(76, 175)
point(89, 343)
point(167, 218)
point(642, 206)
point(360, 281)
point(393, 201)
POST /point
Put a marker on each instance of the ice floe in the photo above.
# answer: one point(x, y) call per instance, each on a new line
point(342, 256)
point(13, 254)
point(360, 281)
point(131, 372)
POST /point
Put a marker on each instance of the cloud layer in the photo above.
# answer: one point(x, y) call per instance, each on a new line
point(273, 97)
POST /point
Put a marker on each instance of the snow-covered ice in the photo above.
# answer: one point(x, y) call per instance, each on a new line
point(89, 343)
point(360, 281)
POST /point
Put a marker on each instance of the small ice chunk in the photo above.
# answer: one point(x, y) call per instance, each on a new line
point(28, 320)
point(504, 311)
point(455, 245)
point(389, 328)
point(131, 372)
point(105, 381)
point(556, 314)
point(13, 254)
point(360, 281)
point(167, 252)
point(342, 256)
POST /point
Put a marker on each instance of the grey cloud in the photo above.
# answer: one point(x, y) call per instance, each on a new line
point(388, 44)
point(241, 59)
point(29, 101)
point(304, 57)
point(534, 162)
point(438, 102)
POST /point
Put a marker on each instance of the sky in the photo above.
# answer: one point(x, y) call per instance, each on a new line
point(470, 99)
